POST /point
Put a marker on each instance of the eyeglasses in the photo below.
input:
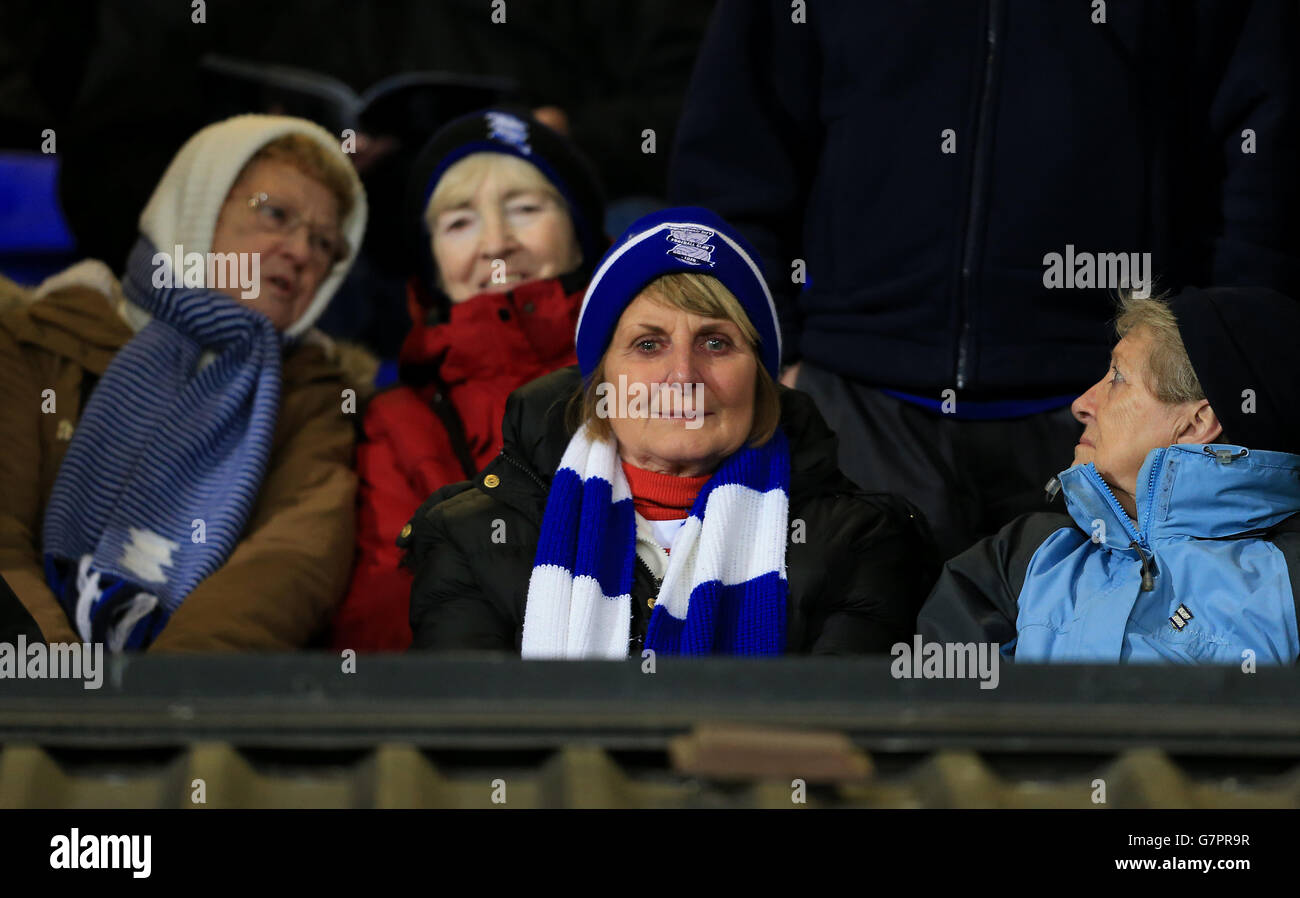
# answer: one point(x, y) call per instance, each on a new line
point(274, 217)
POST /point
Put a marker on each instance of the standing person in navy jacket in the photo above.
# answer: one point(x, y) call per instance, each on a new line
point(909, 170)
point(510, 221)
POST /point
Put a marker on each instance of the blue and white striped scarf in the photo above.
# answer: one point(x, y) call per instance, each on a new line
point(725, 590)
point(166, 451)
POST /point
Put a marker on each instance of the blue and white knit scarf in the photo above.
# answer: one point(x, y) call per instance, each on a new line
point(725, 590)
point(166, 461)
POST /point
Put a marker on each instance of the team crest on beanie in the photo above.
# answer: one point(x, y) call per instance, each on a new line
point(509, 129)
point(691, 245)
point(698, 242)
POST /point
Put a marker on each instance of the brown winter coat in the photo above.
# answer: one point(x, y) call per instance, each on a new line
point(281, 584)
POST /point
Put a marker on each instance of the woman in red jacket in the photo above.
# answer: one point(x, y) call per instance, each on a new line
point(510, 215)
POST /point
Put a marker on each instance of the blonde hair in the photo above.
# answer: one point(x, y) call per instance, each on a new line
point(459, 182)
point(699, 294)
point(314, 161)
point(1168, 368)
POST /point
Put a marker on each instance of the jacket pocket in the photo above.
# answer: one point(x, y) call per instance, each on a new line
point(1193, 642)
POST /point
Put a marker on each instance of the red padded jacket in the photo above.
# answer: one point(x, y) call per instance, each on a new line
point(467, 366)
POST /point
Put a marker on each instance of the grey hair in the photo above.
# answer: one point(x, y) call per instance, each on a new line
point(1168, 368)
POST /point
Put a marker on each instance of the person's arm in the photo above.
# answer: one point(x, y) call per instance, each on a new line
point(1249, 75)
point(749, 136)
point(286, 576)
point(374, 613)
point(20, 493)
point(449, 611)
point(977, 596)
point(877, 577)
point(406, 454)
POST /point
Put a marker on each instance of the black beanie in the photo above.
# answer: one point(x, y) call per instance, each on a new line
point(514, 132)
point(1244, 338)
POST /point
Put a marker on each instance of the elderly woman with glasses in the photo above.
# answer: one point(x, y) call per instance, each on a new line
point(175, 472)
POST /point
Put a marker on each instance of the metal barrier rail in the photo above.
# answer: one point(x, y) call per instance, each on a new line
point(484, 702)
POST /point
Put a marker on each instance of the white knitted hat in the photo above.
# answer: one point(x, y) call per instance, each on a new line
point(187, 201)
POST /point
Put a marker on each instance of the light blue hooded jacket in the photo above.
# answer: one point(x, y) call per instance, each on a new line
point(1195, 580)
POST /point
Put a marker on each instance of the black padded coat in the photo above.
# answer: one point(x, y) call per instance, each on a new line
point(858, 567)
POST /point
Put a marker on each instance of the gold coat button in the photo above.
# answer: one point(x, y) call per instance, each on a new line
point(406, 531)
point(650, 602)
point(491, 481)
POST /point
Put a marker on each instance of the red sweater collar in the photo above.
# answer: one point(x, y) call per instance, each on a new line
point(662, 497)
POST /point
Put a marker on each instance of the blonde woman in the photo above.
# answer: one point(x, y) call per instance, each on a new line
point(667, 495)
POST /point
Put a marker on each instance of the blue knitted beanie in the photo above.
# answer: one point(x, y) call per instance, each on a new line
point(682, 239)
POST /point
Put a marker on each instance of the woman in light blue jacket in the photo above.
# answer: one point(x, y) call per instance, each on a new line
point(1180, 539)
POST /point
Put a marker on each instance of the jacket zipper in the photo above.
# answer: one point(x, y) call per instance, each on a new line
point(975, 208)
point(1138, 538)
point(656, 584)
point(1149, 564)
point(527, 470)
point(653, 579)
